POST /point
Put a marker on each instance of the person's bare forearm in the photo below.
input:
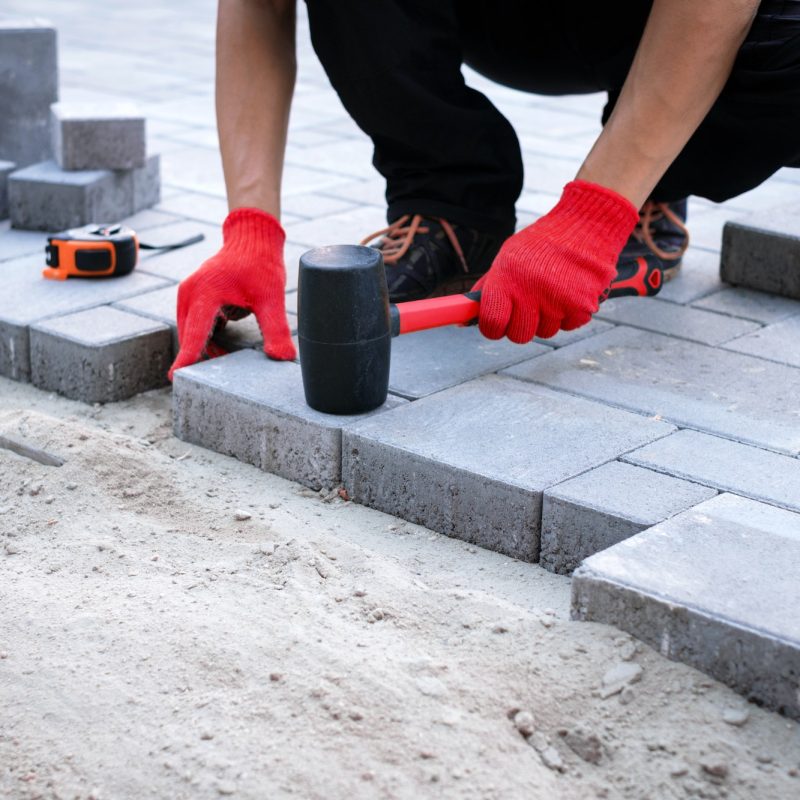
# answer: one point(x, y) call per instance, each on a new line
point(256, 69)
point(682, 63)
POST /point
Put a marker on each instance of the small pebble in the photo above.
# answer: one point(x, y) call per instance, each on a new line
point(12, 549)
point(523, 722)
point(376, 615)
point(226, 788)
point(71, 486)
point(736, 716)
point(241, 516)
point(206, 735)
point(714, 766)
point(275, 676)
point(359, 592)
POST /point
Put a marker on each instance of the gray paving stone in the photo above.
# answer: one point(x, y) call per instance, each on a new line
point(6, 168)
point(429, 361)
point(28, 85)
point(45, 197)
point(779, 342)
point(179, 264)
point(254, 409)
point(193, 205)
point(563, 338)
point(749, 304)
point(698, 277)
point(763, 251)
point(14, 243)
point(107, 136)
point(594, 511)
point(28, 298)
point(100, 355)
point(473, 461)
point(671, 319)
point(714, 587)
point(726, 465)
point(346, 227)
point(692, 385)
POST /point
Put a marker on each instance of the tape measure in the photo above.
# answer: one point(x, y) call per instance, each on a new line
point(98, 251)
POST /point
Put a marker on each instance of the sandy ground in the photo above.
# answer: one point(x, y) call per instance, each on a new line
point(154, 645)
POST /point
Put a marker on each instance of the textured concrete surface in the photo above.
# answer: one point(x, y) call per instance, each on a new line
point(594, 511)
point(249, 407)
point(97, 136)
point(6, 168)
point(45, 197)
point(726, 465)
point(778, 342)
point(689, 384)
point(99, 355)
point(762, 251)
point(750, 304)
point(715, 587)
point(28, 85)
point(473, 461)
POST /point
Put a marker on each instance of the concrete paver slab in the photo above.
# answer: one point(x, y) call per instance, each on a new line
point(750, 304)
point(778, 342)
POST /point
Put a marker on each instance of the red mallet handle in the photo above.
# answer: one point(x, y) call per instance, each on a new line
point(419, 315)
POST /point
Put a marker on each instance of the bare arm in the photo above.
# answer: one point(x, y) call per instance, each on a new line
point(682, 63)
point(256, 68)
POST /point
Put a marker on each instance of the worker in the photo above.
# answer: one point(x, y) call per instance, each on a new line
point(703, 99)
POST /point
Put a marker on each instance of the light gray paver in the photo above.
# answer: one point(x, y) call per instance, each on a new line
point(671, 319)
point(473, 461)
point(6, 168)
point(100, 355)
point(593, 511)
point(245, 405)
point(763, 251)
point(28, 298)
point(692, 385)
point(698, 277)
point(179, 264)
point(749, 304)
point(779, 342)
point(563, 338)
point(97, 136)
point(28, 85)
point(429, 361)
point(46, 197)
point(726, 465)
point(714, 587)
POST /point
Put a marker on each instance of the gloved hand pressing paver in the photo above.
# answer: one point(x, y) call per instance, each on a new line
point(247, 274)
point(552, 274)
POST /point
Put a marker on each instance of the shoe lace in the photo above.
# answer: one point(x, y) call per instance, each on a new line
point(398, 237)
point(652, 212)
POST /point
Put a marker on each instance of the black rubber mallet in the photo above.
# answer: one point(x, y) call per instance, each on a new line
point(346, 325)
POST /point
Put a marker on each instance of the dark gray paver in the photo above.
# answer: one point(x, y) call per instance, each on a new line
point(28, 85)
point(762, 251)
point(750, 304)
point(245, 405)
point(97, 136)
point(28, 298)
point(714, 587)
point(45, 197)
point(100, 355)
point(671, 319)
point(587, 514)
point(473, 461)
point(429, 361)
point(6, 168)
point(779, 342)
point(730, 466)
point(692, 385)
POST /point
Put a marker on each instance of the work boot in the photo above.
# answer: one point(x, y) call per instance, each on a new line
point(430, 257)
point(654, 250)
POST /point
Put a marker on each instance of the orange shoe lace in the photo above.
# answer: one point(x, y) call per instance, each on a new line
point(652, 212)
point(398, 236)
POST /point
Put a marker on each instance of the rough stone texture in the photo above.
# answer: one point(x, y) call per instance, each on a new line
point(473, 461)
point(97, 136)
point(46, 197)
point(28, 298)
point(429, 361)
point(749, 304)
point(254, 409)
point(6, 168)
point(763, 252)
point(28, 85)
point(100, 355)
point(725, 465)
point(684, 322)
point(714, 587)
point(689, 384)
point(587, 514)
point(779, 342)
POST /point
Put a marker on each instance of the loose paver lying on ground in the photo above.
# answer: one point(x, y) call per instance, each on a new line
point(245, 405)
point(692, 385)
point(715, 587)
point(100, 355)
point(587, 514)
point(762, 251)
point(473, 461)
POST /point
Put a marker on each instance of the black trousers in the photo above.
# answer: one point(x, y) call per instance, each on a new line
point(445, 150)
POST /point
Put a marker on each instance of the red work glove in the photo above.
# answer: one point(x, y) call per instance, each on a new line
point(247, 273)
point(551, 274)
